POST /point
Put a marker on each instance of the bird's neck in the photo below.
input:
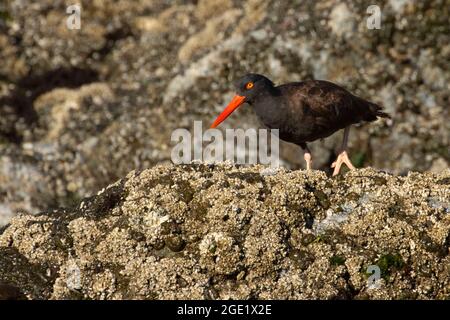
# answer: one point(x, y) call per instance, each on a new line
point(266, 106)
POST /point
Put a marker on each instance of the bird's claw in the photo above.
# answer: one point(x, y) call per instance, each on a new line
point(341, 159)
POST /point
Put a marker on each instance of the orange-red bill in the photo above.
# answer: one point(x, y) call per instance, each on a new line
point(233, 105)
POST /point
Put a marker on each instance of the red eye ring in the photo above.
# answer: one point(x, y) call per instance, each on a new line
point(249, 85)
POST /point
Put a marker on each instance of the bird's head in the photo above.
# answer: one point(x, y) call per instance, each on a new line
point(247, 89)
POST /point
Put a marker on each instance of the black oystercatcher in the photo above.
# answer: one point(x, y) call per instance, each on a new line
point(303, 111)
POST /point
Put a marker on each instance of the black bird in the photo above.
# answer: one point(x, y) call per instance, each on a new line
point(303, 111)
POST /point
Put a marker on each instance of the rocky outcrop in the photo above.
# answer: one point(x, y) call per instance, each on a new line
point(220, 231)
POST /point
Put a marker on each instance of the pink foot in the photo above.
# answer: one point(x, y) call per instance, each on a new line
point(342, 158)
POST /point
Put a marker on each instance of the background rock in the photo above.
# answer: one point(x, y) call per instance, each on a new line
point(81, 108)
point(208, 232)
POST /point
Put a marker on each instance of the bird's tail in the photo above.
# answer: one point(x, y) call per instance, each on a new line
point(382, 114)
point(377, 111)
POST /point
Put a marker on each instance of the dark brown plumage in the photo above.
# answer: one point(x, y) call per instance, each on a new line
point(304, 111)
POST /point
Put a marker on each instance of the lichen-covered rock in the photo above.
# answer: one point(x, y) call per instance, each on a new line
point(221, 231)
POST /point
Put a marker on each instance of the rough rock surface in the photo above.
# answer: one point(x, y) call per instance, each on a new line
point(220, 231)
point(79, 109)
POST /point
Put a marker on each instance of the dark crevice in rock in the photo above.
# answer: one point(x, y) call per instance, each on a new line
point(445, 181)
point(3, 228)
point(111, 38)
point(249, 177)
point(165, 180)
point(94, 207)
point(99, 206)
point(11, 292)
point(19, 104)
point(37, 84)
point(23, 277)
point(348, 293)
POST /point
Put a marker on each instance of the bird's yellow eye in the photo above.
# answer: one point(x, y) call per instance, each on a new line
point(249, 85)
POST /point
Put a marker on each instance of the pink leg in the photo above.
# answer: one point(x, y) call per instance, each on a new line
point(343, 157)
point(307, 156)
